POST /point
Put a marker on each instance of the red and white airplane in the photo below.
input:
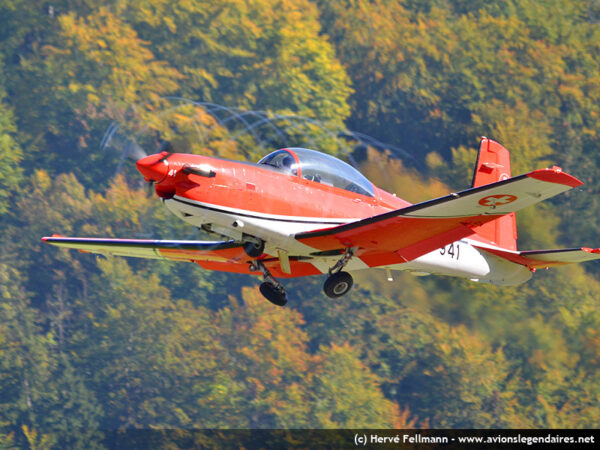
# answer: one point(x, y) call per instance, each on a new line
point(299, 212)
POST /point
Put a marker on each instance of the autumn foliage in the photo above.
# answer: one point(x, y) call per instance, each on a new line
point(92, 344)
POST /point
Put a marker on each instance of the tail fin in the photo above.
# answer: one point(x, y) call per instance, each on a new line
point(493, 164)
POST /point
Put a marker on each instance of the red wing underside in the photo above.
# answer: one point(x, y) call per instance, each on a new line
point(408, 233)
point(397, 239)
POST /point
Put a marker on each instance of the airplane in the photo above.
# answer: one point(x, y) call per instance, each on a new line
point(299, 212)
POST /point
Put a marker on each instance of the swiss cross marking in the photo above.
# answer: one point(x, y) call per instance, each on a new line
point(497, 200)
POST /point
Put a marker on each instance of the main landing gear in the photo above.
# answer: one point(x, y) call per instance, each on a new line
point(274, 293)
point(270, 288)
point(339, 282)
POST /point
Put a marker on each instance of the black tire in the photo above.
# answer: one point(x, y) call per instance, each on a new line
point(338, 284)
point(273, 294)
point(254, 250)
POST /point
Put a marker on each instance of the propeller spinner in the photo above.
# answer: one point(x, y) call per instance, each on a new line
point(155, 167)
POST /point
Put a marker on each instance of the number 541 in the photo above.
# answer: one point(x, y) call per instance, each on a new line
point(452, 250)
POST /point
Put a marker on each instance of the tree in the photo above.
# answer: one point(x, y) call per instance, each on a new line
point(10, 155)
point(89, 72)
point(43, 402)
point(257, 54)
point(269, 365)
point(347, 394)
point(26, 363)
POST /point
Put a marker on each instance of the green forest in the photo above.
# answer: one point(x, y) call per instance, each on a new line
point(89, 344)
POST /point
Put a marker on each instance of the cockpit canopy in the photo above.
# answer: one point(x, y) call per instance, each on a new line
point(318, 167)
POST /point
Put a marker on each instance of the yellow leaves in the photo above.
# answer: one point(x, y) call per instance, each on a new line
point(390, 174)
point(109, 55)
point(93, 99)
point(567, 317)
point(41, 180)
point(349, 392)
point(37, 440)
point(74, 87)
point(113, 313)
point(122, 207)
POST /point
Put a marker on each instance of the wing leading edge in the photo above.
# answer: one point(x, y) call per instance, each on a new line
point(217, 251)
point(418, 229)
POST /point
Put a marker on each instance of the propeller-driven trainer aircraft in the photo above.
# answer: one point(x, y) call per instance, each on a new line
point(299, 212)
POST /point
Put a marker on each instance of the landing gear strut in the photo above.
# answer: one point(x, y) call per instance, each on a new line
point(254, 248)
point(339, 282)
point(270, 288)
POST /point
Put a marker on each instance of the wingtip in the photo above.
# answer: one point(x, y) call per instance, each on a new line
point(591, 250)
point(555, 175)
point(49, 238)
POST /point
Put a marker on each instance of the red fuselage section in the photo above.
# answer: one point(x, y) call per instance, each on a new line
point(260, 188)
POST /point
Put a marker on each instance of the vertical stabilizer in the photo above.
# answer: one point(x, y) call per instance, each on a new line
point(493, 164)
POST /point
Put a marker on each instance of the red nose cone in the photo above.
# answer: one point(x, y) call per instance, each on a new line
point(154, 167)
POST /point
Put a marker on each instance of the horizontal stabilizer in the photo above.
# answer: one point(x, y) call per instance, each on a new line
point(539, 259)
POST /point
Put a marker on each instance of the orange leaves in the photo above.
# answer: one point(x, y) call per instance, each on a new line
point(282, 384)
point(391, 174)
point(270, 336)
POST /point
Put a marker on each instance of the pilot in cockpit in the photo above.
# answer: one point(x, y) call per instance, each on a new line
point(287, 163)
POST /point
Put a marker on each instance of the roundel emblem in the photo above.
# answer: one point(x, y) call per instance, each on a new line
point(497, 200)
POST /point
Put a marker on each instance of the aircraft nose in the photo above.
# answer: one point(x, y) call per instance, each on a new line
point(154, 167)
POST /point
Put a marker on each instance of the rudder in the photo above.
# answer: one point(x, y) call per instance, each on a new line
point(493, 164)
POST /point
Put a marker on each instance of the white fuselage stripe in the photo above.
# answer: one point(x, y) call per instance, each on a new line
point(273, 217)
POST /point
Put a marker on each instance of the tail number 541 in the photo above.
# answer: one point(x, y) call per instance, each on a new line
point(452, 250)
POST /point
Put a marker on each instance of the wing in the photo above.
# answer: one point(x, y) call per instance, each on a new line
point(154, 249)
point(405, 234)
point(540, 259)
point(223, 256)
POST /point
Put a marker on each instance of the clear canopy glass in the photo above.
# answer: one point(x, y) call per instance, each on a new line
point(318, 167)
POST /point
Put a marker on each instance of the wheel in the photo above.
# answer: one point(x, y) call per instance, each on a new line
point(338, 284)
point(273, 294)
point(254, 250)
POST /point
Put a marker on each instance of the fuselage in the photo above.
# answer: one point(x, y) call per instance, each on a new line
point(298, 190)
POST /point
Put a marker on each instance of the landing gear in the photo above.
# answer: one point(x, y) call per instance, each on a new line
point(273, 294)
point(271, 289)
point(339, 282)
point(254, 248)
